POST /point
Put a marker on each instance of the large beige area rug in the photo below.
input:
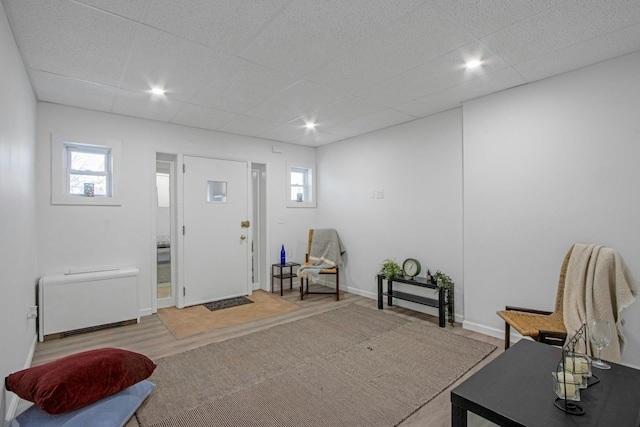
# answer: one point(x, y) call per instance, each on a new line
point(351, 366)
point(184, 322)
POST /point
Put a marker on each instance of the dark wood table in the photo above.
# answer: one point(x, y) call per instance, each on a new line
point(516, 389)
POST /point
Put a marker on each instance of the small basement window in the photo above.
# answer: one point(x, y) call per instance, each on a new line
point(83, 171)
point(88, 170)
point(301, 191)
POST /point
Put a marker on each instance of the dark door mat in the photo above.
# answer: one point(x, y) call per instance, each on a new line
point(226, 303)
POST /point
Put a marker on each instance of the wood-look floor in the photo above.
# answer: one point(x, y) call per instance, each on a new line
point(153, 339)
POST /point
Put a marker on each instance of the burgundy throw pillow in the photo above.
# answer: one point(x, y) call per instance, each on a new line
point(78, 380)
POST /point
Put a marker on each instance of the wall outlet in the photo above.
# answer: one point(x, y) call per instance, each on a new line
point(379, 194)
point(280, 219)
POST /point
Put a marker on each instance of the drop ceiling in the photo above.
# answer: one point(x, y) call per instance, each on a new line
point(265, 68)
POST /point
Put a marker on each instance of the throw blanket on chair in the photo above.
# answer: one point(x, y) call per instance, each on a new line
point(598, 285)
point(326, 253)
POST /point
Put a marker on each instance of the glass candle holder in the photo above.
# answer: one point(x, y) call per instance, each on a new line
point(565, 382)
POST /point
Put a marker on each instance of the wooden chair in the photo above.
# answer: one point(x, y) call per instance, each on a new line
point(304, 283)
point(543, 326)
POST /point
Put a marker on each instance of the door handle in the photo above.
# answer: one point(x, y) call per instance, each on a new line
point(243, 237)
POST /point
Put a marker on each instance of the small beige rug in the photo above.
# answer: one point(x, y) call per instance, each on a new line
point(184, 322)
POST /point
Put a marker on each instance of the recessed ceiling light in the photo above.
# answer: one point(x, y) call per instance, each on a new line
point(473, 64)
point(157, 91)
point(310, 125)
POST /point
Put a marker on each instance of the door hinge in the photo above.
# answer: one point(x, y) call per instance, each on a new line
point(184, 168)
point(183, 230)
point(184, 292)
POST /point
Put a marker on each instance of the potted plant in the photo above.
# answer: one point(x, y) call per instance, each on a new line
point(443, 281)
point(390, 268)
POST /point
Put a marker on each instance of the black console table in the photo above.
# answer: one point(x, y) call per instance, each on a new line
point(516, 389)
point(391, 293)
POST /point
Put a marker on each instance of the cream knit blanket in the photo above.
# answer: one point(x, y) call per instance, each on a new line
point(598, 285)
point(326, 253)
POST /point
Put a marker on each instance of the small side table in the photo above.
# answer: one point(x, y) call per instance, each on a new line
point(283, 272)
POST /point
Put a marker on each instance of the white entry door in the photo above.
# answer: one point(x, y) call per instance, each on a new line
point(216, 244)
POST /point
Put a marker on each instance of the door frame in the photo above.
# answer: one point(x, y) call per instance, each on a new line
point(177, 238)
point(173, 158)
point(170, 301)
point(180, 184)
point(260, 226)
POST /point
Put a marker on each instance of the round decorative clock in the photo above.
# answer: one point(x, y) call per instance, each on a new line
point(411, 267)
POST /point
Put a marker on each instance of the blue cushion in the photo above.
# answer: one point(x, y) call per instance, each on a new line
point(112, 411)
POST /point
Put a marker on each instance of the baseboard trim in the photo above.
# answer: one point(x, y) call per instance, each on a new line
point(145, 312)
point(362, 293)
point(15, 400)
point(492, 332)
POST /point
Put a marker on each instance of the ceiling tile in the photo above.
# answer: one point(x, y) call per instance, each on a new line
point(343, 111)
point(371, 123)
point(318, 138)
point(201, 117)
point(440, 73)
point(188, 71)
point(196, 74)
point(412, 40)
point(571, 23)
point(145, 106)
point(607, 16)
point(454, 96)
point(302, 99)
point(71, 39)
point(307, 33)
point(246, 84)
point(132, 9)
point(76, 93)
point(245, 125)
point(285, 133)
point(222, 24)
point(613, 44)
point(488, 16)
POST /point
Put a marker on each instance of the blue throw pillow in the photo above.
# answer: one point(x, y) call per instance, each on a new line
point(111, 411)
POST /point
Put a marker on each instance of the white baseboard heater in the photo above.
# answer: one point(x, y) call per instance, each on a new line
point(73, 302)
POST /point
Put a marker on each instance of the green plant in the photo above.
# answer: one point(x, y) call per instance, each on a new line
point(444, 281)
point(390, 269)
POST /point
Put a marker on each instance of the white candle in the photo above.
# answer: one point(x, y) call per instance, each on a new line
point(566, 382)
point(577, 365)
point(571, 390)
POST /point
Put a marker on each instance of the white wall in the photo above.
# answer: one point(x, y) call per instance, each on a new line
point(418, 165)
point(79, 237)
point(548, 165)
point(17, 209)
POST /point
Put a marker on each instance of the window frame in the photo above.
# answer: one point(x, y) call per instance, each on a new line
point(309, 185)
point(73, 147)
point(61, 171)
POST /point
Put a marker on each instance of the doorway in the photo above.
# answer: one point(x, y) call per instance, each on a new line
point(167, 226)
point(166, 285)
